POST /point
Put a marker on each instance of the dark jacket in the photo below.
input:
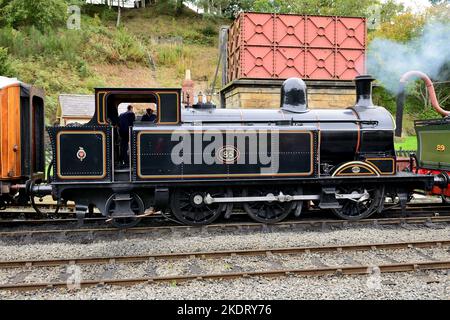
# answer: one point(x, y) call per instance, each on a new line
point(126, 120)
point(148, 117)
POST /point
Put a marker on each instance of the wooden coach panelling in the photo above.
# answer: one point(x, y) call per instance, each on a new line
point(10, 133)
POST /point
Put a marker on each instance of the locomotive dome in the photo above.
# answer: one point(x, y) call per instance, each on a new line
point(294, 96)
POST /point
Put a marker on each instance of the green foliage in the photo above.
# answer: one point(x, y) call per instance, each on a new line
point(42, 14)
point(209, 31)
point(389, 10)
point(406, 143)
point(401, 28)
point(105, 13)
point(31, 42)
point(313, 7)
point(165, 7)
point(126, 48)
point(169, 55)
point(383, 97)
point(6, 67)
point(233, 7)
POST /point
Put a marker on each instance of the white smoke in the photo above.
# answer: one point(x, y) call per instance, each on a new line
point(387, 60)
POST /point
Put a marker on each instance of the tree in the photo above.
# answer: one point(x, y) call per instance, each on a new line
point(402, 28)
point(6, 68)
point(42, 14)
point(118, 13)
point(315, 7)
point(179, 7)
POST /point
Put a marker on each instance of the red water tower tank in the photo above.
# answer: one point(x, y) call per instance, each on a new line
point(279, 46)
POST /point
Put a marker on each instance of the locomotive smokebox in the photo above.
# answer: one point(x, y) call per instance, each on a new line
point(364, 91)
point(294, 96)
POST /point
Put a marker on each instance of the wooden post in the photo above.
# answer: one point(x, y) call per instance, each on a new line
point(223, 40)
point(118, 13)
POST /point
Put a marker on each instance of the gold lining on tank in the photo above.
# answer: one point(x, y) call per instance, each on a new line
point(58, 151)
point(140, 175)
point(373, 171)
point(383, 159)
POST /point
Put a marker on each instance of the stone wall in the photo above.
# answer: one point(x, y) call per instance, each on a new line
point(266, 94)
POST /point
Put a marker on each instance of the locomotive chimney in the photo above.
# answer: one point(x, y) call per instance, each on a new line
point(364, 91)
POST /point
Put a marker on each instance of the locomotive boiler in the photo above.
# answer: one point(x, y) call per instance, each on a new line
point(201, 162)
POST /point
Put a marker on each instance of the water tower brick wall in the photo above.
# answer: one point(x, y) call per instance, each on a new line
point(249, 94)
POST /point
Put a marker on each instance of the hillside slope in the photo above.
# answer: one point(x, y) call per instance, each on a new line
point(149, 49)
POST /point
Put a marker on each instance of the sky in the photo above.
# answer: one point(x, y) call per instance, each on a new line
point(415, 5)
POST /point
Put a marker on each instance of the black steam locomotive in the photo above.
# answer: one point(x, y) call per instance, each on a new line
point(201, 161)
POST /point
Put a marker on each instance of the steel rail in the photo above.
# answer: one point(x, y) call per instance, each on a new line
point(412, 209)
point(225, 253)
point(338, 270)
point(236, 226)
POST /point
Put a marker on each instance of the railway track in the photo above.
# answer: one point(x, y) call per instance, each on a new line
point(415, 209)
point(240, 226)
point(315, 271)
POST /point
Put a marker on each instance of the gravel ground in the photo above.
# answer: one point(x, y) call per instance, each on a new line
point(231, 264)
point(431, 285)
point(192, 242)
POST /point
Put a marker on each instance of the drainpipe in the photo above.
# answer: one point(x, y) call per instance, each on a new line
point(401, 98)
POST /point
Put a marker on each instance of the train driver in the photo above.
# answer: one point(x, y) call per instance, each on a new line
point(149, 115)
point(126, 120)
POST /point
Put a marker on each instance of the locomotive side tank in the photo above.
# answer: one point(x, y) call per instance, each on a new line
point(201, 162)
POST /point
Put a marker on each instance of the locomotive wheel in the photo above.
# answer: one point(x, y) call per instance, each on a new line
point(354, 209)
point(137, 206)
point(188, 206)
point(267, 211)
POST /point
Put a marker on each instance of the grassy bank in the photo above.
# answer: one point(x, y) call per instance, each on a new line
point(406, 143)
point(150, 49)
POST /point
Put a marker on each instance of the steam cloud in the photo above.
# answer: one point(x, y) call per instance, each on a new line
point(388, 60)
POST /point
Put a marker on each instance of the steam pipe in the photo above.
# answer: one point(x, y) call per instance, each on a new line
point(401, 98)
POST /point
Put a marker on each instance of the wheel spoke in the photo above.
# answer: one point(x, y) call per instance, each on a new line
point(193, 213)
point(357, 210)
point(264, 211)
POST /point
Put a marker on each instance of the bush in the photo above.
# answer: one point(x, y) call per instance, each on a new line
point(6, 68)
point(167, 7)
point(126, 48)
point(171, 55)
point(209, 31)
point(42, 14)
point(105, 13)
point(67, 45)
